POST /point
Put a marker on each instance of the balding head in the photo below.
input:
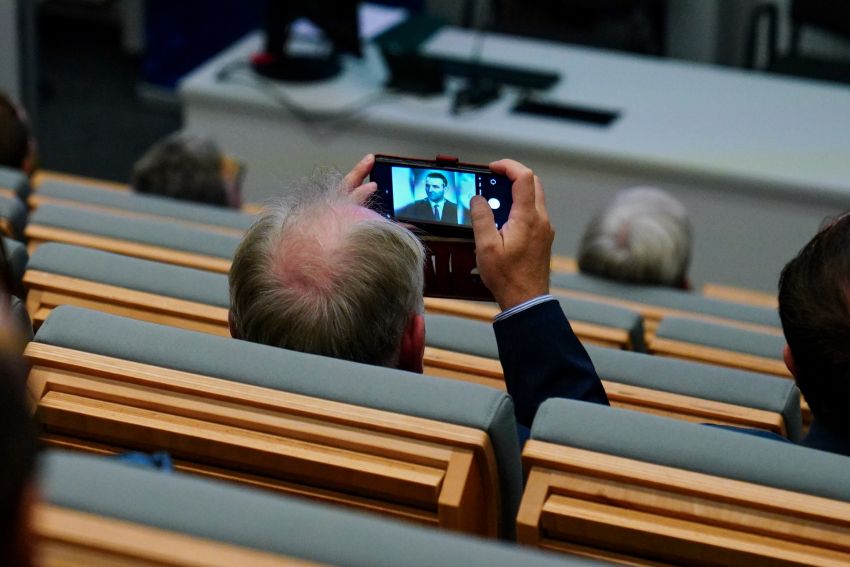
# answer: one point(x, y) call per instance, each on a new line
point(318, 273)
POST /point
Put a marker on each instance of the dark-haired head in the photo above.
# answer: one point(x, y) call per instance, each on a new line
point(440, 176)
point(17, 148)
point(814, 306)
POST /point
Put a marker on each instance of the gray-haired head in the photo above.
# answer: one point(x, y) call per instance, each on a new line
point(318, 273)
point(643, 236)
point(182, 166)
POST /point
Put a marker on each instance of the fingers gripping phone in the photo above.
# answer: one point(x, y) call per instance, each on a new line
point(434, 195)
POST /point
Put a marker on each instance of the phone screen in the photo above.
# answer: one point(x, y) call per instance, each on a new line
point(423, 193)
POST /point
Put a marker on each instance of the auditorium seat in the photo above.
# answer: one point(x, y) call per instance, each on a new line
point(467, 350)
point(642, 488)
point(593, 321)
point(14, 183)
point(154, 207)
point(655, 302)
point(45, 176)
point(63, 274)
point(563, 264)
point(440, 452)
point(17, 256)
point(228, 525)
point(731, 346)
point(740, 295)
point(163, 241)
point(13, 217)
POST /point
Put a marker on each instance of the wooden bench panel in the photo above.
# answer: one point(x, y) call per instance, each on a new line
point(36, 200)
point(38, 234)
point(46, 175)
point(488, 372)
point(68, 537)
point(399, 465)
point(721, 357)
point(586, 332)
point(740, 295)
point(652, 314)
point(47, 291)
point(654, 513)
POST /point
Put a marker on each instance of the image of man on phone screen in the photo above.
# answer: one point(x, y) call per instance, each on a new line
point(435, 207)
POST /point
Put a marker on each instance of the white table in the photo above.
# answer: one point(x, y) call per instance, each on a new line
point(758, 161)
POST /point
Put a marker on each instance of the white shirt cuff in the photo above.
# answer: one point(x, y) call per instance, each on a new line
point(523, 306)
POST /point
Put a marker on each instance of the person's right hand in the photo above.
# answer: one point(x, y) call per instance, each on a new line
point(353, 182)
point(514, 260)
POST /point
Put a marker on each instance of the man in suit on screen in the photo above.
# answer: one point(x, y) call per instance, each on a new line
point(434, 207)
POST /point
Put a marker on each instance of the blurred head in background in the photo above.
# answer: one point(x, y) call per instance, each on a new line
point(189, 168)
point(17, 144)
point(642, 237)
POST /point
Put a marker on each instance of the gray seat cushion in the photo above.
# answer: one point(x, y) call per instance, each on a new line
point(721, 336)
point(704, 381)
point(17, 255)
point(132, 273)
point(15, 180)
point(604, 315)
point(14, 211)
point(20, 318)
point(667, 297)
point(599, 313)
point(387, 389)
point(149, 204)
point(155, 233)
point(264, 521)
point(694, 447)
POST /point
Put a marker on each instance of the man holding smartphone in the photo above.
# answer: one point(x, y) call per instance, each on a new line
point(321, 273)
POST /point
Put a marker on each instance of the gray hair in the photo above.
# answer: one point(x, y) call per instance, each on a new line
point(182, 166)
point(643, 236)
point(318, 273)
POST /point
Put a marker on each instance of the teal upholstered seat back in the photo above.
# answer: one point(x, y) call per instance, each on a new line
point(149, 204)
point(18, 257)
point(144, 231)
point(721, 336)
point(703, 381)
point(15, 213)
point(264, 521)
point(667, 297)
point(15, 180)
point(693, 447)
point(132, 273)
point(387, 389)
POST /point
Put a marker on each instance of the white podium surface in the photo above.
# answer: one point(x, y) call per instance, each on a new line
point(759, 161)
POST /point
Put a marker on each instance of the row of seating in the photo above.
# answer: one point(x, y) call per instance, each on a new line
point(101, 512)
point(314, 427)
point(62, 274)
point(601, 481)
point(81, 193)
point(594, 321)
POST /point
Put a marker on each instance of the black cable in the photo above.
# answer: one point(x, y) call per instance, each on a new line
point(317, 125)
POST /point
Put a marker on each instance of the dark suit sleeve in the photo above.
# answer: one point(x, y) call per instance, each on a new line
point(542, 358)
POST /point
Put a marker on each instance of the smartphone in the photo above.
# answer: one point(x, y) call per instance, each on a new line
point(434, 195)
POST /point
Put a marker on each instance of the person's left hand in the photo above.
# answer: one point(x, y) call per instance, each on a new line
point(353, 184)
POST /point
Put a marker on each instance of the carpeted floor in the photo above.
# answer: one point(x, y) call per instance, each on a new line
point(89, 119)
